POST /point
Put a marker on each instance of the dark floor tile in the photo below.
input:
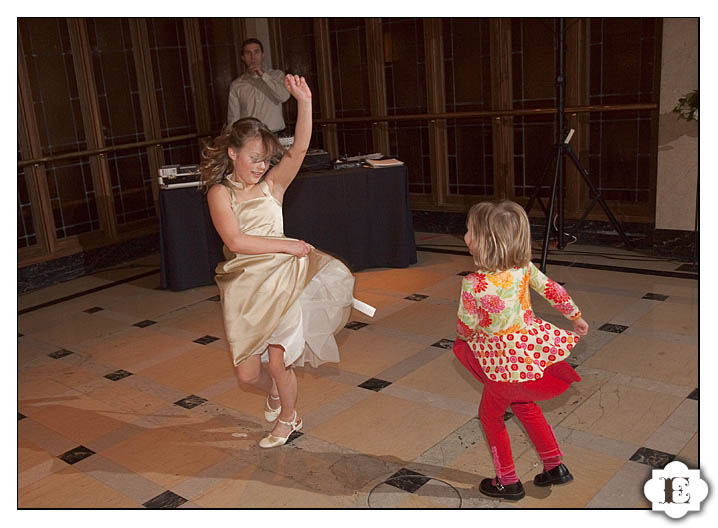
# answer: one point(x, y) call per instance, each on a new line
point(145, 323)
point(651, 457)
point(215, 298)
point(93, 310)
point(615, 328)
point(688, 267)
point(355, 325)
point(57, 354)
point(407, 480)
point(655, 297)
point(206, 340)
point(75, 455)
point(693, 395)
point(190, 402)
point(375, 384)
point(448, 344)
point(20, 416)
point(416, 297)
point(166, 499)
point(118, 375)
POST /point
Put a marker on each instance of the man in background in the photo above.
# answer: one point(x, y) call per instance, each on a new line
point(257, 92)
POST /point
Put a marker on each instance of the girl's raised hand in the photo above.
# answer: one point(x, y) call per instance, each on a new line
point(297, 86)
point(580, 326)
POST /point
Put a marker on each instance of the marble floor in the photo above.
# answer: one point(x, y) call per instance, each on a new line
point(127, 398)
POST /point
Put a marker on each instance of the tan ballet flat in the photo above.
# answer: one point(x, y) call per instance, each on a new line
point(270, 414)
point(275, 441)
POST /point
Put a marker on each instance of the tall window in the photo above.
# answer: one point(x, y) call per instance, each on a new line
point(26, 235)
point(56, 102)
point(467, 70)
point(351, 83)
point(405, 72)
point(121, 114)
point(220, 67)
point(299, 59)
point(623, 68)
point(173, 87)
point(533, 71)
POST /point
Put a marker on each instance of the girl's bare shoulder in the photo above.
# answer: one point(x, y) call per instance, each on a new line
point(218, 193)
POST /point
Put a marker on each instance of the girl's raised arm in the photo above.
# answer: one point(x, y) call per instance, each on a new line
point(281, 176)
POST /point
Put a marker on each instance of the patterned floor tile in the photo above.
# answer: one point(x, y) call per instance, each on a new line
point(407, 480)
point(75, 455)
point(375, 384)
point(165, 500)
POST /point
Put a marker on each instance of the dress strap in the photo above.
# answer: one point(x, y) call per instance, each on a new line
point(265, 188)
point(231, 194)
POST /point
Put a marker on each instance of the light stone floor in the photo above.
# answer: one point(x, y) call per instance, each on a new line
point(119, 406)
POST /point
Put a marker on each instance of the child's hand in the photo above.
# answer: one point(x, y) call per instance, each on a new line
point(580, 326)
point(297, 86)
point(298, 248)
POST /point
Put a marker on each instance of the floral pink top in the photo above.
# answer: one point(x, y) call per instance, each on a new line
point(496, 320)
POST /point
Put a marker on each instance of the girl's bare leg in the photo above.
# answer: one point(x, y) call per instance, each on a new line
point(286, 383)
point(252, 372)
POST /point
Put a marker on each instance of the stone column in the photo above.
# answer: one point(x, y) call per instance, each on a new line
point(677, 178)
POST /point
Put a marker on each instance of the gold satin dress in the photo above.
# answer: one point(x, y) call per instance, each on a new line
point(280, 299)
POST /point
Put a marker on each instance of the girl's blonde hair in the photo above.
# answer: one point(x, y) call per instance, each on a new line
point(500, 235)
point(216, 165)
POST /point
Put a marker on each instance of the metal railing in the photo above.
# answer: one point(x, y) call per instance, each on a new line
point(368, 119)
point(103, 150)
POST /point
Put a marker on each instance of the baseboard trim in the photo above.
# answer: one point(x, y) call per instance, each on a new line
point(51, 272)
point(680, 245)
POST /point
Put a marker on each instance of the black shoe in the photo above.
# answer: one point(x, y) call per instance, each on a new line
point(509, 492)
point(558, 475)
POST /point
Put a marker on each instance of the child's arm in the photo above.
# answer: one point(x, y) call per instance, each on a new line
point(468, 320)
point(220, 209)
point(557, 296)
point(281, 176)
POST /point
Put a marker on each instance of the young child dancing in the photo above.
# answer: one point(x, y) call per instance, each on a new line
point(282, 300)
point(518, 357)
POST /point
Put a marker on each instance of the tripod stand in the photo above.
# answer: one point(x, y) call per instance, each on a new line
point(563, 147)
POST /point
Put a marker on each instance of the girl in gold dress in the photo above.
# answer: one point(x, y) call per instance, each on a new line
point(282, 300)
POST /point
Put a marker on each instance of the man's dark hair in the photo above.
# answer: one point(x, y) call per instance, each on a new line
point(252, 41)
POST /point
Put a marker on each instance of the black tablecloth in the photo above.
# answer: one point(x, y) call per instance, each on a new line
point(190, 248)
point(361, 216)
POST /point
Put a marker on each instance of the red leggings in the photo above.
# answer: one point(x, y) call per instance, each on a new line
point(496, 398)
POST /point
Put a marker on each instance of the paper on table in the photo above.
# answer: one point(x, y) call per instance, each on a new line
point(391, 162)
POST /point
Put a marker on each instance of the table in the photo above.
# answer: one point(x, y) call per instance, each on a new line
point(190, 248)
point(360, 216)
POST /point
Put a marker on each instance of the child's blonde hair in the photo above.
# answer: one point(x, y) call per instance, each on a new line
point(500, 235)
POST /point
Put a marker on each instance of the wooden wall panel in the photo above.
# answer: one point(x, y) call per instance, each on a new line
point(220, 66)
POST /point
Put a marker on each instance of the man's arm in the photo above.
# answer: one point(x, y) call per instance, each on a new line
point(274, 79)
